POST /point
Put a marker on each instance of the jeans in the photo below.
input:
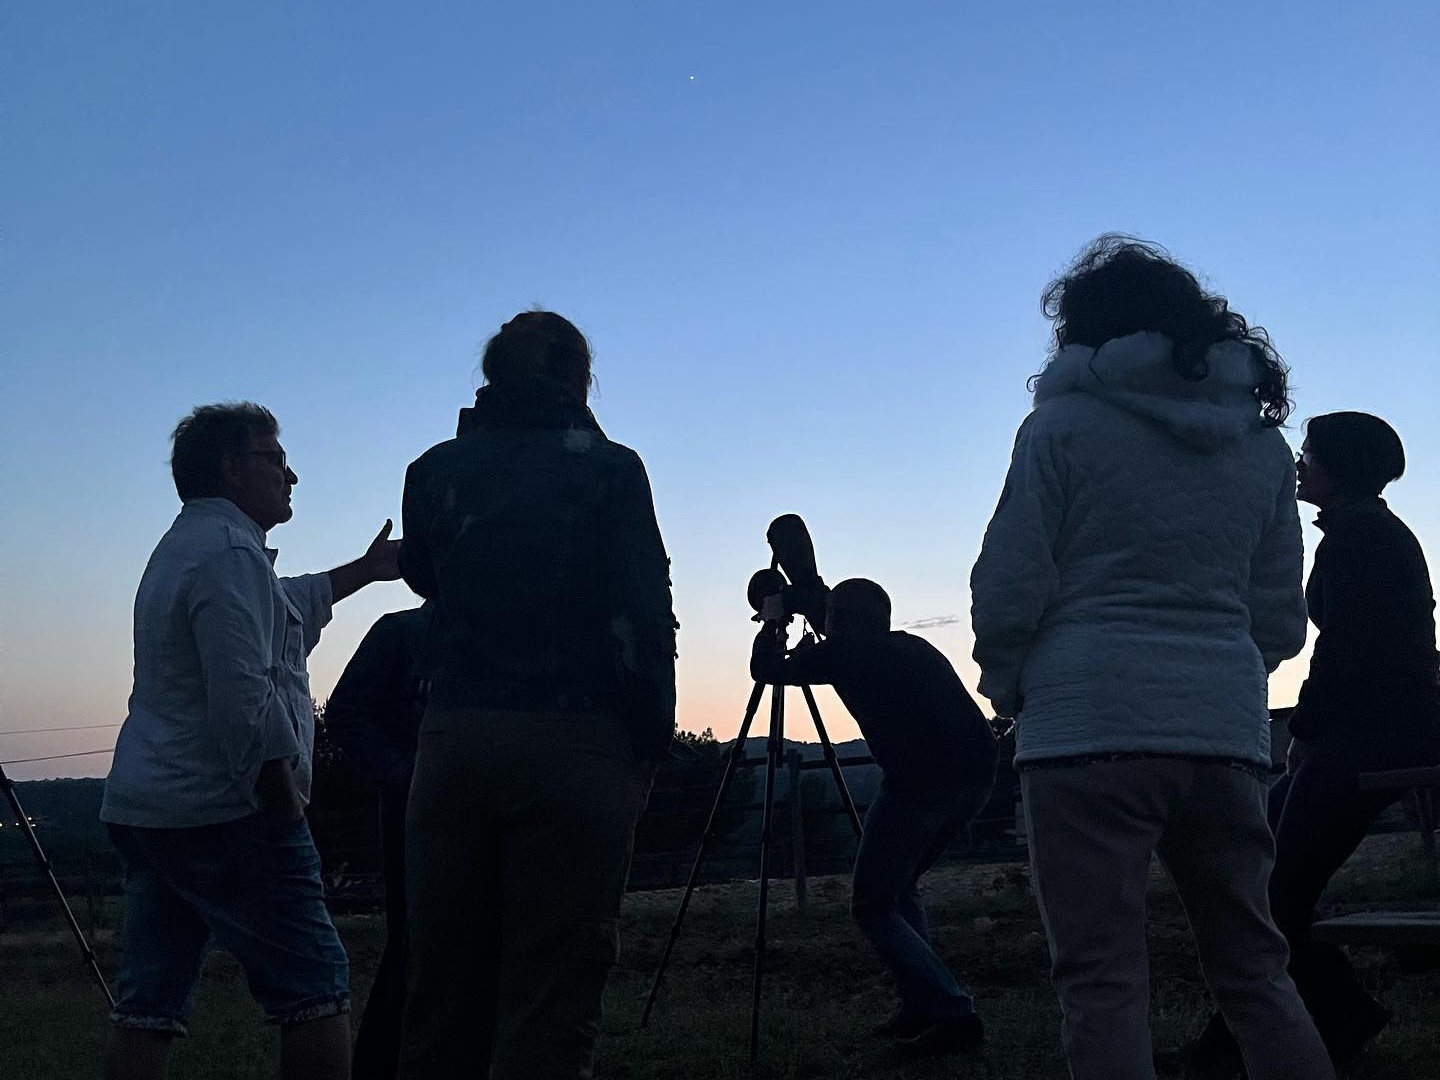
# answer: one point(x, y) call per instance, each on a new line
point(251, 885)
point(904, 834)
point(1093, 829)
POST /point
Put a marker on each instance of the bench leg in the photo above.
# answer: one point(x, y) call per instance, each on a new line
point(1425, 800)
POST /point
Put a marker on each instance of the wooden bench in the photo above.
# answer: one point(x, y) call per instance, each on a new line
point(1380, 928)
point(1419, 786)
point(1403, 929)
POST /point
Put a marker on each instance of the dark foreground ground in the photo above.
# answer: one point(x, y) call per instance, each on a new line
point(823, 990)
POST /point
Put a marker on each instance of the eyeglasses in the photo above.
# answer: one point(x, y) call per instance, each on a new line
point(275, 457)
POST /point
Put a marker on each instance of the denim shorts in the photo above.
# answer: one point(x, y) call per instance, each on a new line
point(252, 887)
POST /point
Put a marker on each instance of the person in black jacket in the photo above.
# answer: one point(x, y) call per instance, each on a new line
point(938, 756)
point(374, 717)
point(552, 698)
point(1370, 703)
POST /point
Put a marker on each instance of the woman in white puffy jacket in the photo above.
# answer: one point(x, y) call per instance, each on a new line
point(1139, 580)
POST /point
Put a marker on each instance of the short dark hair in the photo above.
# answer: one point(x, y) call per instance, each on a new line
point(1360, 452)
point(863, 601)
point(206, 435)
point(536, 344)
point(1120, 285)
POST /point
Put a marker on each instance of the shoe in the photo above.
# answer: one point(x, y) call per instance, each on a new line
point(948, 1035)
point(1214, 1050)
point(1346, 1040)
point(1172, 1060)
point(903, 1025)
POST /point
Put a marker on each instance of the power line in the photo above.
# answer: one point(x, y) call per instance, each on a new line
point(56, 757)
point(47, 730)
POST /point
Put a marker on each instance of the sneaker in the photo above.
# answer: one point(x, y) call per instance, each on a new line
point(948, 1035)
point(1187, 1062)
point(1346, 1041)
point(1213, 1052)
point(903, 1025)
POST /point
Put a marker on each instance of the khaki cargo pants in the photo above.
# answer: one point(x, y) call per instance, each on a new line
point(519, 834)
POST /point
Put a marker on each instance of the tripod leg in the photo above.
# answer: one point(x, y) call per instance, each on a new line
point(24, 822)
point(737, 754)
point(775, 750)
point(834, 762)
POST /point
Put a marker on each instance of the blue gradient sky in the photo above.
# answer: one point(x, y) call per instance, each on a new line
point(807, 242)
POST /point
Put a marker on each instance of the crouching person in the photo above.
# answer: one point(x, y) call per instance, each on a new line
point(938, 755)
point(206, 796)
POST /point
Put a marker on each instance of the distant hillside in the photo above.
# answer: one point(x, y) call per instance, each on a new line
point(66, 816)
point(343, 819)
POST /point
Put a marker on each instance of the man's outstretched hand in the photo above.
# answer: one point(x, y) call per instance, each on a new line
point(382, 557)
point(381, 562)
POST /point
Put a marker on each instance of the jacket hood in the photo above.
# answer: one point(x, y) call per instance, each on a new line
point(1135, 373)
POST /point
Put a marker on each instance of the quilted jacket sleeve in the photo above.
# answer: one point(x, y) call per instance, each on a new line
point(1276, 596)
point(1015, 578)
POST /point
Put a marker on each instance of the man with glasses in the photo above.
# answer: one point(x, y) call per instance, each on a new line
point(206, 796)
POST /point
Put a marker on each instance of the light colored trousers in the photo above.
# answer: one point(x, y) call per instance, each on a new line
point(1092, 831)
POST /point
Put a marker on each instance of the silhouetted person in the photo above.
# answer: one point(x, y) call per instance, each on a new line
point(1370, 703)
point(937, 755)
point(374, 717)
point(1139, 579)
point(553, 696)
point(206, 797)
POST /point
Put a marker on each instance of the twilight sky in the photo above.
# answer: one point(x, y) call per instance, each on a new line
point(807, 242)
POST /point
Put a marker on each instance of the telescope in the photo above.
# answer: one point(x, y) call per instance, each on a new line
point(791, 574)
point(792, 577)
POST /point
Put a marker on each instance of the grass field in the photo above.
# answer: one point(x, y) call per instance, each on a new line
point(823, 989)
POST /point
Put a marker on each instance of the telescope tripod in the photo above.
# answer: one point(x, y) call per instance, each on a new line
point(775, 751)
point(86, 953)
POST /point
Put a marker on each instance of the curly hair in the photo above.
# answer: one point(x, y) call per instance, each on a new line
point(1121, 285)
point(204, 437)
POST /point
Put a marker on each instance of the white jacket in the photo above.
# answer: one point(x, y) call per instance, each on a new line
point(1142, 573)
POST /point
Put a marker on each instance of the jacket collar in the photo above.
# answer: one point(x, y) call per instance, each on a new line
point(222, 509)
point(526, 403)
point(1349, 511)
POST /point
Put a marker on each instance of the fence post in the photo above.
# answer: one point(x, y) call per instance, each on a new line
point(797, 828)
point(90, 899)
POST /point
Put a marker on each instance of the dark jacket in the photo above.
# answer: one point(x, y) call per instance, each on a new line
point(535, 535)
point(374, 712)
point(922, 727)
point(1373, 673)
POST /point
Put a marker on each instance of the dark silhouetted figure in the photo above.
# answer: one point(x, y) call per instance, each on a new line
point(374, 717)
point(552, 698)
point(937, 754)
point(1369, 703)
point(1140, 577)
